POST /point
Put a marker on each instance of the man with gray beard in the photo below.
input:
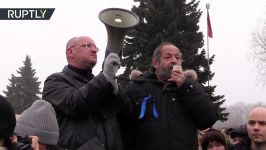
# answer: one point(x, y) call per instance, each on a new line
point(166, 106)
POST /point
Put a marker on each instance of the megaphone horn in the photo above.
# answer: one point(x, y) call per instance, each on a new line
point(117, 22)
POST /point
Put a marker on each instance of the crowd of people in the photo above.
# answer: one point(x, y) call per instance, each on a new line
point(81, 111)
point(249, 136)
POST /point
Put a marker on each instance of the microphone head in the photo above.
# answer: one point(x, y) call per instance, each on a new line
point(177, 68)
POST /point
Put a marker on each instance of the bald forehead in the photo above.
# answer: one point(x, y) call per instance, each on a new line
point(78, 40)
point(258, 112)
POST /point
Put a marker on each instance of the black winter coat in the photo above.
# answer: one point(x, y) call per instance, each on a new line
point(170, 117)
point(86, 110)
point(18, 146)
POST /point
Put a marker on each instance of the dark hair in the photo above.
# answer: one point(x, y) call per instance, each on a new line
point(240, 131)
point(7, 119)
point(213, 135)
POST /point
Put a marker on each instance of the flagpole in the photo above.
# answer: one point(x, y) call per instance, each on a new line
point(208, 58)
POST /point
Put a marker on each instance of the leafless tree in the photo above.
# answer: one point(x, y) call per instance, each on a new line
point(258, 52)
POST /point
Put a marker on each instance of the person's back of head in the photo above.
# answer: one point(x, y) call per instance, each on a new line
point(39, 120)
point(7, 121)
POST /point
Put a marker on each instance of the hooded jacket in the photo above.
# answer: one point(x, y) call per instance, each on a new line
point(166, 117)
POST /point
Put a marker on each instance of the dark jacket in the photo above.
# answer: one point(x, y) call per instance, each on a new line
point(180, 112)
point(242, 133)
point(86, 110)
point(18, 146)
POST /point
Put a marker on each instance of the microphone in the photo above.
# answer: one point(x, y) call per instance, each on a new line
point(177, 68)
point(189, 73)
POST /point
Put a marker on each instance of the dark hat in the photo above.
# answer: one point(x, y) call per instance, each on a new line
point(40, 120)
point(213, 135)
point(238, 131)
point(7, 118)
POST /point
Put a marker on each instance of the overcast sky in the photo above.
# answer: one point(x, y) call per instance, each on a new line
point(232, 23)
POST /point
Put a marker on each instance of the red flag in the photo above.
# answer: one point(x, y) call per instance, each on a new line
point(209, 26)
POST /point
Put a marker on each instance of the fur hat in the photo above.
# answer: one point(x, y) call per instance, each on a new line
point(39, 120)
point(7, 118)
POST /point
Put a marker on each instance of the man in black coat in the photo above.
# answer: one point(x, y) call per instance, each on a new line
point(166, 106)
point(85, 105)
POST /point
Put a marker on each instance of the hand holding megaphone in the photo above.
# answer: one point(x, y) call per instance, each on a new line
point(110, 68)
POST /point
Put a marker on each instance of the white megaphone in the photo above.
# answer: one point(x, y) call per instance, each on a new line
point(117, 22)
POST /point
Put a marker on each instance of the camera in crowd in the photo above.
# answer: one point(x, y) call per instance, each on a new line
point(24, 139)
point(23, 143)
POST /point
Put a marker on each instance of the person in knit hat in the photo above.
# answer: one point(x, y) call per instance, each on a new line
point(39, 120)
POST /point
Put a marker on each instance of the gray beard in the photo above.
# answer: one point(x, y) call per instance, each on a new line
point(165, 73)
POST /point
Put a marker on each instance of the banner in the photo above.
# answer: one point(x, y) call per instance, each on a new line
point(209, 26)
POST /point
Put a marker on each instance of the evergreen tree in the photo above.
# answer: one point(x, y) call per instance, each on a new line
point(23, 90)
point(173, 21)
point(14, 91)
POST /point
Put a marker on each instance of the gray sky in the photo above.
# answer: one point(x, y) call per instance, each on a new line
point(232, 23)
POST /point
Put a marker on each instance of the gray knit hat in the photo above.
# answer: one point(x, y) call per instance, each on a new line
point(39, 120)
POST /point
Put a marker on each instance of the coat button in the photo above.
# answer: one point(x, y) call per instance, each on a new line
point(173, 99)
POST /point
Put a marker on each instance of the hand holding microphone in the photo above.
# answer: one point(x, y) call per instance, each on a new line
point(110, 68)
point(177, 68)
point(177, 76)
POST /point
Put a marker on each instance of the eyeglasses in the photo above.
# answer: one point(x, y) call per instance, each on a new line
point(88, 45)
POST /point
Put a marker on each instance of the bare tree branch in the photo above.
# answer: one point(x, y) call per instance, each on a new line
point(259, 52)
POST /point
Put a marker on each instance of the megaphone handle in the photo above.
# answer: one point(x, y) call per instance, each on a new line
point(107, 52)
